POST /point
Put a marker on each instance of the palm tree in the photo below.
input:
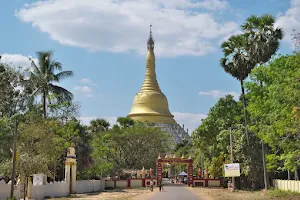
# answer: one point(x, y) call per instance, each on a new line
point(125, 122)
point(263, 42)
point(238, 63)
point(99, 125)
point(262, 37)
point(43, 77)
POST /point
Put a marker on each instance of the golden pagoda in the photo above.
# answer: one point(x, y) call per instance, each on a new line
point(150, 104)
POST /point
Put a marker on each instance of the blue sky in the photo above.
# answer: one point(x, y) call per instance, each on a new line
point(104, 43)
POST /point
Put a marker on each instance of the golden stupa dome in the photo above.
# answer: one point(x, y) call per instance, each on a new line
point(150, 104)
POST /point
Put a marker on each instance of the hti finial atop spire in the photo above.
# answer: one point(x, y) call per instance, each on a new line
point(150, 43)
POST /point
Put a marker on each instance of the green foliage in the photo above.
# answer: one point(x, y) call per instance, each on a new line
point(35, 145)
point(274, 96)
point(236, 61)
point(128, 148)
point(43, 78)
point(262, 37)
point(125, 122)
point(6, 138)
point(99, 125)
point(63, 110)
point(183, 149)
point(281, 193)
point(212, 137)
point(14, 96)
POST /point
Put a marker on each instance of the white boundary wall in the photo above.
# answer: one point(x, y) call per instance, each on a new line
point(287, 185)
point(5, 190)
point(56, 189)
point(86, 186)
point(61, 189)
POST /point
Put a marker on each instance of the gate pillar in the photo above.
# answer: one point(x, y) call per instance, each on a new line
point(159, 171)
point(190, 174)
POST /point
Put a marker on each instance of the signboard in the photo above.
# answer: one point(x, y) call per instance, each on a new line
point(232, 170)
point(159, 171)
point(175, 160)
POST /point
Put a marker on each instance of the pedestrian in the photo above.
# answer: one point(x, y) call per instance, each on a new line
point(162, 186)
point(159, 185)
point(151, 185)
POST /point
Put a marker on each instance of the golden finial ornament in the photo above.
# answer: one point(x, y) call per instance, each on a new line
point(182, 157)
point(159, 156)
point(174, 156)
point(166, 156)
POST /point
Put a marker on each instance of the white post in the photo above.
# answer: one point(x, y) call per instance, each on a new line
point(74, 168)
point(231, 151)
point(67, 175)
point(29, 190)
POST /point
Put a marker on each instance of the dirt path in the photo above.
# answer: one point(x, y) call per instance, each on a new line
point(224, 194)
point(117, 194)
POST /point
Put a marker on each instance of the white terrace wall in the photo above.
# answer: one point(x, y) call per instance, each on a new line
point(86, 186)
point(287, 185)
point(5, 190)
point(214, 183)
point(121, 183)
point(136, 182)
point(56, 189)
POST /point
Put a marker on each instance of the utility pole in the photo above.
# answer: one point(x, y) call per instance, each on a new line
point(13, 176)
point(202, 163)
point(264, 165)
point(231, 150)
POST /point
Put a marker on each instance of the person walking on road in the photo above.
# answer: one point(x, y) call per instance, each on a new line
point(159, 185)
point(151, 185)
point(162, 186)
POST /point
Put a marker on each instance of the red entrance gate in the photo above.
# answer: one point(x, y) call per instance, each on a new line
point(161, 161)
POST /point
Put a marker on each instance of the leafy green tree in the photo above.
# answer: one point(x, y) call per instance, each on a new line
point(62, 110)
point(6, 135)
point(278, 124)
point(43, 78)
point(14, 96)
point(76, 135)
point(125, 122)
point(130, 148)
point(296, 40)
point(99, 125)
point(212, 137)
point(35, 146)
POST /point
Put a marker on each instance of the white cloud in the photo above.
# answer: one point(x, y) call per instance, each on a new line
point(87, 81)
point(17, 60)
point(216, 94)
point(290, 20)
point(86, 120)
point(206, 4)
point(85, 90)
point(181, 27)
point(190, 120)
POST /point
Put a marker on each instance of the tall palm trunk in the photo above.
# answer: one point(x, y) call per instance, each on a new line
point(44, 104)
point(245, 112)
point(266, 182)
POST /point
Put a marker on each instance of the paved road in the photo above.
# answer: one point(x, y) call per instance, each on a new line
point(174, 193)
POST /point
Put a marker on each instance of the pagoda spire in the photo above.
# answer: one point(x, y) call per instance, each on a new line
point(150, 104)
point(150, 81)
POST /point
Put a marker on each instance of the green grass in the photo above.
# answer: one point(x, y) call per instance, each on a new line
point(281, 193)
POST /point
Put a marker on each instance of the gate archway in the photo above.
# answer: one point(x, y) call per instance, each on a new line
point(160, 161)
